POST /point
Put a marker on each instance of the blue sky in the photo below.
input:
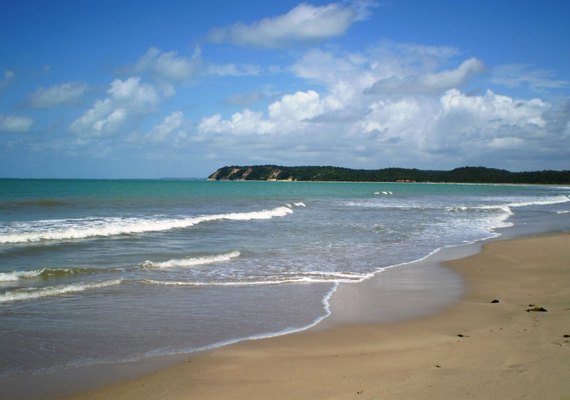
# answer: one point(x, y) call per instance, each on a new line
point(146, 89)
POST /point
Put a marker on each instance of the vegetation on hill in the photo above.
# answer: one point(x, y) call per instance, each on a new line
point(327, 173)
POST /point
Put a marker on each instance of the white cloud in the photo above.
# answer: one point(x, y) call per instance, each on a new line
point(414, 81)
point(390, 104)
point(170, 126)
point(296, 107)
point(404, 128)
point(517, 75)
point(62, 94)
point(15, 124)
point(457, 127)
point(289, 114)
point(132, 92)
point(496, 109)
point(246, 122)
point(127, 100)
point(495, 129)
point(304, 23)
point(489, 122)
point(404, 118)
point(329, 68)
point(169, 66)
point(385, 70)
point(345, 78)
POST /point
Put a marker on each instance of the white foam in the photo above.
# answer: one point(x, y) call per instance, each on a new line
point(492, 208)
point(504, 211)
point(323, 276)
point(391, 204)
point(212, 284)
point(100, 227)
point(42, 273)
point(192, 262)
point(537, 201)
point(289, 278)
point(18, 275)
point(36, 293)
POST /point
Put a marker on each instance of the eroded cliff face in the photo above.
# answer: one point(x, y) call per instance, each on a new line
point(262, 173)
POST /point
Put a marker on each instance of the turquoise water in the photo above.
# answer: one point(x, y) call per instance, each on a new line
point(96, 272)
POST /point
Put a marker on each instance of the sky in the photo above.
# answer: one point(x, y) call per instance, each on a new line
point(152, 89)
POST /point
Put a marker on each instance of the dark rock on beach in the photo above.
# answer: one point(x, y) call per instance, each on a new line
point(537, 309)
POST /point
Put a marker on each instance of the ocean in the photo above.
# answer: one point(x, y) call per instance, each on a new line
point(99, 273)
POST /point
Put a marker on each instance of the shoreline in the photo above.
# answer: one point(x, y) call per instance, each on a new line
point(421, 272)
point(471, 343)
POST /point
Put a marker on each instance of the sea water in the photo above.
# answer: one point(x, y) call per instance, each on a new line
point(104, 272)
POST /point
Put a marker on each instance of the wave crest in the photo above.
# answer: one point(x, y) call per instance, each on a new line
point(57, 230)
point(44, 273)
point(36, 293)
point(192, 262)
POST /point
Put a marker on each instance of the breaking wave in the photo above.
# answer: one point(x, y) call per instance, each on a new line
point(507, 207)
point(541, 201)
point(44, 273)
point(36, 293)
point(192, 262)
point(54, 230)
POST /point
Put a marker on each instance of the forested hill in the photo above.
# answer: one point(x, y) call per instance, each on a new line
point(459, 175)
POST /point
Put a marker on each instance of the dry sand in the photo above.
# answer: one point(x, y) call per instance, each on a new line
point(473, 349)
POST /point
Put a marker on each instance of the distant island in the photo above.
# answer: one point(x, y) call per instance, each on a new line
point(328, 173)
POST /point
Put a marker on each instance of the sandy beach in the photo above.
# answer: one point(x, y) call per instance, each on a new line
point(508, 337)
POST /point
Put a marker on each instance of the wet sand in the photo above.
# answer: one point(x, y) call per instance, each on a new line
point(476, 348)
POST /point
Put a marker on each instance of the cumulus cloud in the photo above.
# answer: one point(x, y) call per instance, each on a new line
point(419, 115)
point(171, 128)
point(388, 69)
point(298, 107)
point(517, 75)
point(348, 79)
point(456, 128)
point(304, 23)
point(496, 109)
point(457, 123)
point(15, 124)
point(126, 100)
point(246, 122)
point(289, 114)
point(63, 94)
